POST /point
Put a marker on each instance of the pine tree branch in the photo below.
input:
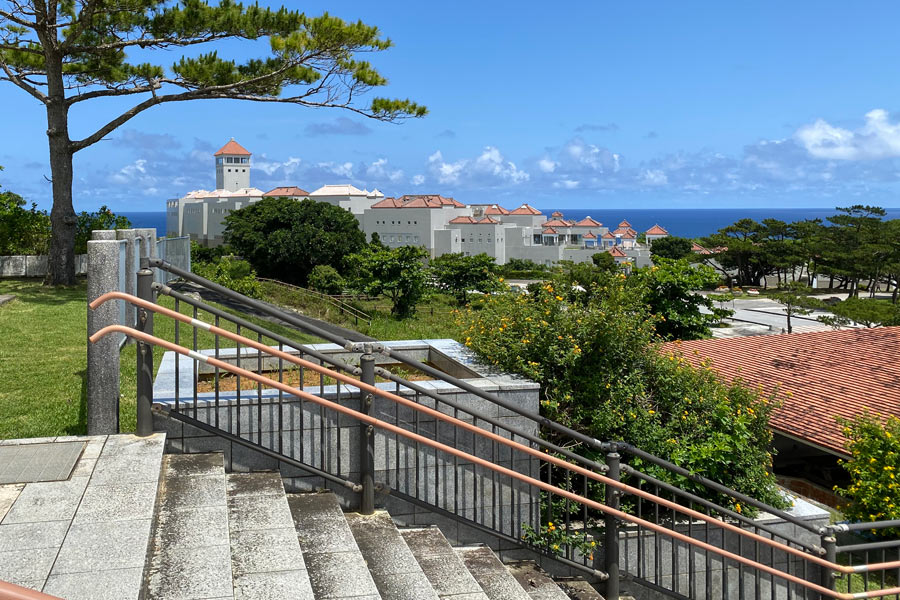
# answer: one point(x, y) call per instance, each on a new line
point(13, 78)
point(140, 89)
point(17, 20)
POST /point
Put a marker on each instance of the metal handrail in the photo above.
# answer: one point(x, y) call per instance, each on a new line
point(339, 304)
point(164, 289)
point(494, 398)
point(11, 591)
point(365, 418)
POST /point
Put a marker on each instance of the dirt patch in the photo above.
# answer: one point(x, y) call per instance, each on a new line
point(291, 377)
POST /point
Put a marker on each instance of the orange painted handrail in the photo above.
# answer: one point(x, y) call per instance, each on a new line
point(11, 591)
point(494, 437)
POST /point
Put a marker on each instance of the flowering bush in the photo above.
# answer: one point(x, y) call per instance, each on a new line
point(874, 490)
point(596, 355)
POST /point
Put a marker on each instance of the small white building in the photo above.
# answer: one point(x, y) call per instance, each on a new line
point(347, 197)
point(415, 220)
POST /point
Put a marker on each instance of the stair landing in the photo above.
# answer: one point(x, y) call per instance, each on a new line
point(55, 536)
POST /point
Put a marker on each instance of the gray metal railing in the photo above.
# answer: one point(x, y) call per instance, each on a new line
point(677, 556)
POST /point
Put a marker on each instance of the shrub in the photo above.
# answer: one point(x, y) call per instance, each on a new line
point(398, 273)
point(22, 231)
point(88, 222)
point(458, 274)
point(874, 468)
point(326, 279)
point(235, 274)
point(601, 372)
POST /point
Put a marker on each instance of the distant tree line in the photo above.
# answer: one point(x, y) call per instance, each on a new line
point(855, 249)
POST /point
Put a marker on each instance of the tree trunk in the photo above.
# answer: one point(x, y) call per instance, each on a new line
point(61, 265)
point(790, 329)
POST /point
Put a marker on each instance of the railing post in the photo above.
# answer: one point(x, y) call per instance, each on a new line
point(611, 529)
point(829, 544)
point(367, 437)
point(145, 352)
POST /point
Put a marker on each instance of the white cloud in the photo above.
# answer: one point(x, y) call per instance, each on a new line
point(653, 177)
point(878, 138)
point(490, 168)
point(379, 170)
point(340, 169)
point(133, 173)
point(287, 168)
point(547, 166)
point(418, 179)
point(566, 184)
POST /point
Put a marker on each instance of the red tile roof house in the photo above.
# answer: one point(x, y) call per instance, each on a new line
point(817, 377)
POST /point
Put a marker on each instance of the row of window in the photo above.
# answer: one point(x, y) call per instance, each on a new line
point(242, 170)
point(233, 160)
point(398, 239)
point(395, 222)
point(480, 241)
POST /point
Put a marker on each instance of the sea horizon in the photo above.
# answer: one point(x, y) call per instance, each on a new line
point(682, 222)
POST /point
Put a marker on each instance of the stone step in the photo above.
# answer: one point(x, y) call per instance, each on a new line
point(266, 559)
point(491, 574)
point(535, 581)
point(190, 555)
point(444, 569)
point(393, 566)
point(336, 566)
point(579, 589)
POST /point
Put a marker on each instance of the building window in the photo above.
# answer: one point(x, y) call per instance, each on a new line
point(245, 160)
point(243, 170)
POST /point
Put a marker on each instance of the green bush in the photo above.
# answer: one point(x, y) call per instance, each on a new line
point(874, 468)
point(601, 372)
point(232, 273)
point(22, 231)
point(88, 222)
point(326, 279)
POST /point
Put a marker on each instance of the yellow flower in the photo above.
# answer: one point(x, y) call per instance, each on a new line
point(652, 412)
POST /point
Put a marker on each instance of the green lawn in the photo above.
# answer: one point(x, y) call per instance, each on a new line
point(43, 358)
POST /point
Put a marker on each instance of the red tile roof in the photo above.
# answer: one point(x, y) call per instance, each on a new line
point(495, 209)
point(588, 222)
point(625, 224)
point(589, 236)
point(488, 221)
point(549, 231)
point(288, 191)
point(656, 230)
point(617, 252)
point(609, 236)
point(625, 232)
point(817, 375)
point(556, 213)
point(388, 203)
point(555, 223)
point(463, 220)
point(232, 147)
point(525, 210)
point(695, 247)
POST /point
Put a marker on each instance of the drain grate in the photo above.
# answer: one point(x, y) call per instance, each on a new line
point(30, 463)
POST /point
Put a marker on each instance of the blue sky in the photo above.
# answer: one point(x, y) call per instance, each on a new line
point(569, 105)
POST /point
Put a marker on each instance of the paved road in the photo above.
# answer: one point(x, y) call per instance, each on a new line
point(769, 313)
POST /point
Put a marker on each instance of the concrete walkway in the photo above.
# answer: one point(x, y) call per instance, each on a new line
point(85, 536)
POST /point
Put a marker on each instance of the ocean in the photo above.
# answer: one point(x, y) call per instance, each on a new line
point(683, 222)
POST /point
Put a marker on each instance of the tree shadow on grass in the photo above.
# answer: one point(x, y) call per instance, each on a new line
point(33, 291)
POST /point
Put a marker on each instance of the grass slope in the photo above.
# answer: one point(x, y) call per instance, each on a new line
point(43, 358)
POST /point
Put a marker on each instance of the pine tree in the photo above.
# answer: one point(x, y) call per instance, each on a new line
point(63, 53)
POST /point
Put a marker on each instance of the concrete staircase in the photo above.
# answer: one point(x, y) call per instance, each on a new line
point(240, 536)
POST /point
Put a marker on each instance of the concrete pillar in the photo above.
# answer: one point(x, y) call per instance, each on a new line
point(148, 238)
point(103, 234)
point(133, 245)
point(103, 356)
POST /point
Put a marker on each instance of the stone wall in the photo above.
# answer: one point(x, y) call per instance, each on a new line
point(34, 266)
